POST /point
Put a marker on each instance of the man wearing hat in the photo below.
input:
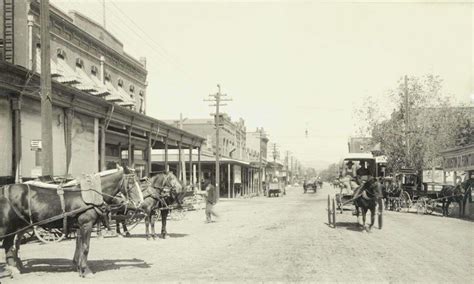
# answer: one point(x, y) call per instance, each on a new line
point(348, 176)
point(211, 200)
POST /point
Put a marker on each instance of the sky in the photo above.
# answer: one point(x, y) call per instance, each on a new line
point(289, 65)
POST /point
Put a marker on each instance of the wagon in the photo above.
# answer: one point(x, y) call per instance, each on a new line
point(311, 184)
point(344, 198)
point(275, 189)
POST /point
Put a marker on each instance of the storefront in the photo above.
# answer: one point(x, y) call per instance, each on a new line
point(460, 161)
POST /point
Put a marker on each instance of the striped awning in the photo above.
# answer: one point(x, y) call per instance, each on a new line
point(86, 83)
point(66, 73)
point(102, 90)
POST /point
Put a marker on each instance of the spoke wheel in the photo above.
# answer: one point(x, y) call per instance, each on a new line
point(49, 235)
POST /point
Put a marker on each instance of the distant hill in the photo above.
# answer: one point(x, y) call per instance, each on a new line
point(318, 165)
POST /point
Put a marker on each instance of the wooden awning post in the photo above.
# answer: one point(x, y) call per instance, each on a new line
point(103, 164)
point(191, 177)
point(130, 153)
point(180, 161)
point(148, 155)
point(199, 168)
point(228, 180)
point(166, 155)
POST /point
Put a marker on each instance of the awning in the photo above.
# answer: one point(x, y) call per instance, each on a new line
point(114, 95)
point(86, 83)
point(127, 101)
point(102, 90)
point(66, 73)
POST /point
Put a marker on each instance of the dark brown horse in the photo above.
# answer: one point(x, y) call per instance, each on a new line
point(458, 194)
point(159, 193)
point(22, 205)
point(370, 195)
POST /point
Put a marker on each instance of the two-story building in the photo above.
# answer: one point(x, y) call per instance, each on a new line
point(98, 96)
point(238, 175)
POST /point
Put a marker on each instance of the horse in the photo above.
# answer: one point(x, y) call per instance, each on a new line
point(369, 196)
point(457, 193)
point(161, 191)
point(23, 205)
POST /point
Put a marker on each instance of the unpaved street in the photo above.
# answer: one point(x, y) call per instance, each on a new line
point(271, 239)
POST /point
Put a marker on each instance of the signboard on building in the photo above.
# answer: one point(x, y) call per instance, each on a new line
point(460, 161)
point(237, 174)
point(35, 145)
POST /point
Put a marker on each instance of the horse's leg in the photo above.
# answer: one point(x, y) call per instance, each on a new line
point(125, 229)
point(164, 217)
point(10, 255)
point(152, 223)
point(77, 252)
point(147, 224)
point(372, 217)
point(446, 209)
point(16, 250)
point(364, 212)
point(86, 223)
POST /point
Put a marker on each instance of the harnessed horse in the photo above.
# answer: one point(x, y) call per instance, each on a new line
point(161, 191)
point(26, 205)
point(367, 199)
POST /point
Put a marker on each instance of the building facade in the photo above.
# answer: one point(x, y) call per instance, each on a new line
point(98, 98)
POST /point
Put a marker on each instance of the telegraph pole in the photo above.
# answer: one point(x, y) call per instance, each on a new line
point(46, 96)
point(407, 121)
point(217, 99)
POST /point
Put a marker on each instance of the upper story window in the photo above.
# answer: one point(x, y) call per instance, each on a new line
point(94, 70)
point(79, 63)
point(61, 53)
point(120, 82)
point(132, 88)
point(141, 93)
point(107, 76)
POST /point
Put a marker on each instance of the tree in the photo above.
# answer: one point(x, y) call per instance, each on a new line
point(414, 136)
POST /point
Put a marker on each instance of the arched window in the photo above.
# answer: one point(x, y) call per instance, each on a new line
point(132, 88)
point(94, 70)
point(61, 53)
point(120, 82)
point(79, 63)
point(107, 76)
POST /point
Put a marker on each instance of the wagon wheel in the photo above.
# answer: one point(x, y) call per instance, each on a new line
point(329, 210)
point(334, 212)
point(133, 218)
point(49, 235)
point(453, 209)
point(430, 206)
point(25, 237)
point(421, 205)
point(405, 201)
point(380, 213)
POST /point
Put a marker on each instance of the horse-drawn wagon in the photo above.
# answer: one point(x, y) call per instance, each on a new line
point(275, 188)
point(310, 184)
point(366, 195)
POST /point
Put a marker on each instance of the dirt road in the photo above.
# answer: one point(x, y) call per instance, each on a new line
point(271, 239)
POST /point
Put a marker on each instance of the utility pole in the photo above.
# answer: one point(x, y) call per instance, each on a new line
point(407, 122)
point(217, 100)
point(274, 152)
point(46, 96)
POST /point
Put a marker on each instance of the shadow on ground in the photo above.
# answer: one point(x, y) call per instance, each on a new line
point(65, 265)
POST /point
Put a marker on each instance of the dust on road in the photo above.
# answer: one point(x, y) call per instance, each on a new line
point(280, 239)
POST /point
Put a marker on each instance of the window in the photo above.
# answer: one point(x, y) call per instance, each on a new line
point(107, 76)
point(61, 53)
point(79, 63)
point(141, 93)
point(132, 88)
point(120, 82)
point(94, 70)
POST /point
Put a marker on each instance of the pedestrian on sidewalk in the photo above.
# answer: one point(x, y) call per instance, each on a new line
point(211, 200)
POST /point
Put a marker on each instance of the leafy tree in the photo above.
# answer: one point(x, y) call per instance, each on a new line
point(433, 124)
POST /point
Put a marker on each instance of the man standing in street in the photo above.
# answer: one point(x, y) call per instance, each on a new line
point(211, 200)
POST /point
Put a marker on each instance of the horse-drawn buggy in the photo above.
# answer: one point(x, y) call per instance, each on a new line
point(311, 184)
point(360, 187)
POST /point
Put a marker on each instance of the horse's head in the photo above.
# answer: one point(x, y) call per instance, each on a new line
point(131, 189)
